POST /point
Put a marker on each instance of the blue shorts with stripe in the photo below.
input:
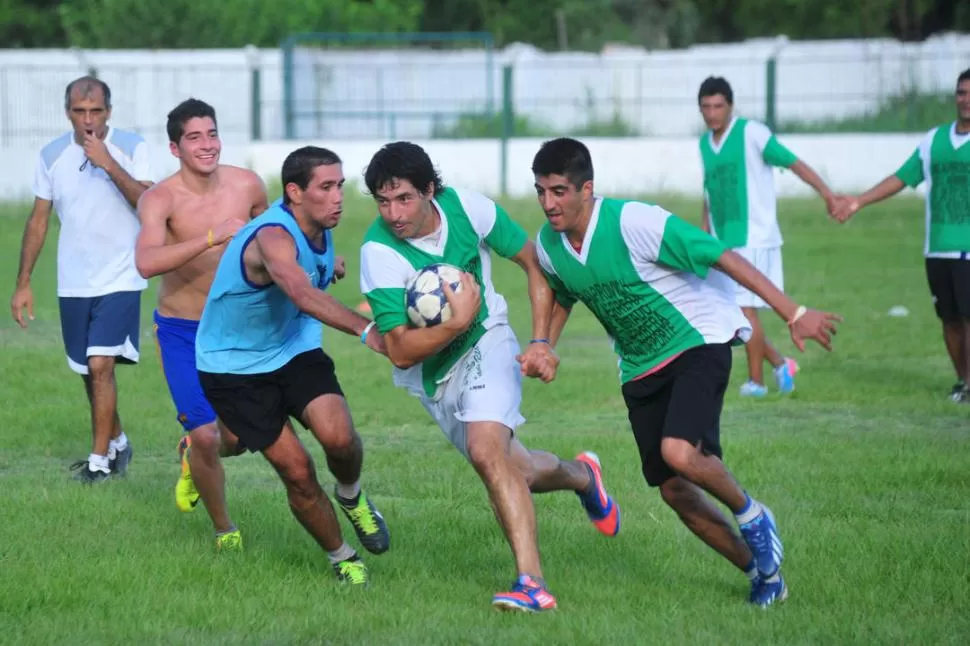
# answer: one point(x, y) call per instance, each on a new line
point(176, 350)
point(100, 326)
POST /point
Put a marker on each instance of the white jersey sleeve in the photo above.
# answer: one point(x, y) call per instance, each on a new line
point(383, 276)
point(42, 180)
point(142, 163)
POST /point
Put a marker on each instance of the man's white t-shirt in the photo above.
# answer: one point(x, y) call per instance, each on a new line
point(96, 245)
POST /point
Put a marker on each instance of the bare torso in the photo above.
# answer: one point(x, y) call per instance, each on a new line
point(183, 291)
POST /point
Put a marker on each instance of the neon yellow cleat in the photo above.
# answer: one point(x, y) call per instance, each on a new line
point(352, 571)
point(186, 495)
point(229, 542)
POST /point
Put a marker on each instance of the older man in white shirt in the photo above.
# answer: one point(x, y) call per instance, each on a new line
point(92, 176)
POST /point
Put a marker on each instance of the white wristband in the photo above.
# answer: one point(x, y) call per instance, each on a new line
point(363, 335)
point(799, 313)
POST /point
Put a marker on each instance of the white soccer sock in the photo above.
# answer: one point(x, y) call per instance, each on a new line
point(342, 553)
point(119, 443)
point(751, 511)
point(348, 492)
point(98, 463)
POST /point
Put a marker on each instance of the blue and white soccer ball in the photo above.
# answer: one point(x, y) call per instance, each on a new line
point(426, 302)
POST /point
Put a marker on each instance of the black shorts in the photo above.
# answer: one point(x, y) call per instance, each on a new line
point(681, 400)
point(255, 407)
point(949, 280)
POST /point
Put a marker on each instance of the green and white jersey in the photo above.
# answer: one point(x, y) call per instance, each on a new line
point(646, 276)
point(942, 160)
point(471, 225)
point(739, 184)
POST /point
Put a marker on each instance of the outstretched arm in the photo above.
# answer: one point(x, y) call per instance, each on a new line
point(808, 175)
point(803, 322)
point(881, 191)
point(277, 255)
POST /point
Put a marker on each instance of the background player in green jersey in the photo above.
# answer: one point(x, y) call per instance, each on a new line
point(657, 285)
point(740, 210)
point(942, 160)
point(464, 370)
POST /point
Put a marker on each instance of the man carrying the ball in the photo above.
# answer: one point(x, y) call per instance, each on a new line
point(647, 277)
point(464, 369)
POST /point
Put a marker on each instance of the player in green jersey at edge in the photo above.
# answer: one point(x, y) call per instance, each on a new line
point(660, 288)
point(942, 160)
point(740, 210)
point(465, 370)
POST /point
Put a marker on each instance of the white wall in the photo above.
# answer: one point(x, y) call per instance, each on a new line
point(622, 166)
point(653, 90)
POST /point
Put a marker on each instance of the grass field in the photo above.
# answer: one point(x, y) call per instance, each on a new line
point(866, 466)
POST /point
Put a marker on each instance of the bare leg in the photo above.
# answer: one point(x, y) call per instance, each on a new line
point(706, 471)
point(546, 472)
point(759, 348)
point(956, 335)
point(307, 501)
point(208, 474)
point(328, 417)
point(489, 450)
point(702, 517)
point(103, 395)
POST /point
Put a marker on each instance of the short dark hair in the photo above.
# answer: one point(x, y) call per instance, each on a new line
point(180, 115)
point(567, 157)
point(713, 85)
point(964, 76)
point(402, 160)
point(299, 165)
point(85, 86)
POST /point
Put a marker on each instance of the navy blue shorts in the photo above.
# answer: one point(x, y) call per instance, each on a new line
point(100, 326)
point(176, 351)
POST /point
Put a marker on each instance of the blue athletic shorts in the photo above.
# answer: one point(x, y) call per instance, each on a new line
point(100, 326)
point(176, 350)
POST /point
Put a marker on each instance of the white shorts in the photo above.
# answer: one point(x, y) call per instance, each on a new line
point(767, 260)
point(485, 386)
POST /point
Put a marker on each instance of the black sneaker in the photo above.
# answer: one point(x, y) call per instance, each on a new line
point(367, 521)
point(85, 475)
point(119, 466)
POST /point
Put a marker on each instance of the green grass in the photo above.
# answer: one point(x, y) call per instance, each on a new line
point(910, 112)
point(866, 467)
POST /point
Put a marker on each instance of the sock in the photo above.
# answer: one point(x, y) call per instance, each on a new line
point(342, 553)
point(98, 463)
point(348, 493)
point(120, 443)
point(751, 571)
point(750, 511)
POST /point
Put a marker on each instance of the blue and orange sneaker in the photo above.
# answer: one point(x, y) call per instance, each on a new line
point(602, 510)
point(785, 375)
point(527, 595)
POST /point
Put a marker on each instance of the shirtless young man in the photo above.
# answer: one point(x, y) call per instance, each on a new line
point(185, 222)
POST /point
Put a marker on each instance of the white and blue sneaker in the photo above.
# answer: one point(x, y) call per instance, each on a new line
point(761, 536)
point(785, 375)
point(753, 389)
point(766, 591)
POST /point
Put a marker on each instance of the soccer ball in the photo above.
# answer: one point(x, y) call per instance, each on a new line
point(426, 302)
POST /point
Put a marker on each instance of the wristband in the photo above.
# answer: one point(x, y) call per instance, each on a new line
point(363, 335)
point(797, 315)
point(539, 341)
point(209, 238)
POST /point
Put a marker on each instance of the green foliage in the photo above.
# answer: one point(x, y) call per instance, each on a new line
point(32, 23)
point(907, 113)
point(225, 23)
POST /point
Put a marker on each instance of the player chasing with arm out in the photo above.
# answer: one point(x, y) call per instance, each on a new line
point(464, 370)
point(943, 160)
point(186, 220)
point(740, 209)
point(93, 176)
point(260, 362)
point(647, 277)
